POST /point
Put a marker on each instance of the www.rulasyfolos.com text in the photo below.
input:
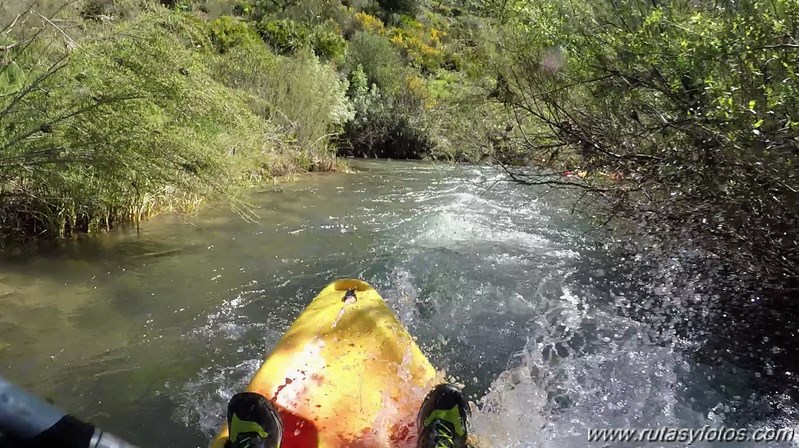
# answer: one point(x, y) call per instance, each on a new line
point(691, 435)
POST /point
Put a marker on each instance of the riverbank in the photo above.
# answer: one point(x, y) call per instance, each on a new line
point(121, 120)
point(113, 112)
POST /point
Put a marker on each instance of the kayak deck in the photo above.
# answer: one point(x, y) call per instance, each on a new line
point(345, 374)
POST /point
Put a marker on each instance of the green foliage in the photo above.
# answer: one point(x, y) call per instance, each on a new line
point(398, 108)
point(362, 94)
point(693, 104)
point(125, 125)
point(369, 23)
point(227, 32)
point(386, 124)
point(408, 7)
point(12, 78)
point(117, 128)
point(145, 108)
point(329, 44)
point(390, 119)
point(303, 97)
point(249, 70)
point(385, 127)
point(468, 128)
point(288, 37)
point(400, 87)
point(420, 46)
point(285, 36)
point(311, 97)
point(378, 59)
point(309, 12)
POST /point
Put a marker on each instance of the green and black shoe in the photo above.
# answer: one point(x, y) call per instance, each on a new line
point(443, 419)
point(253, 422)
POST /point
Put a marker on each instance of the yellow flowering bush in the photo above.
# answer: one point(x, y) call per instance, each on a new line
point(369, 23)
point(418, 52)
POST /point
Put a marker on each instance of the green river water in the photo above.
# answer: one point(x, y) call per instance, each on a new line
point(148, 333)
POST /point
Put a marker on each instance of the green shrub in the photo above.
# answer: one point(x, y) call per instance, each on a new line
point(12, 77)
point(285, 36)
point(311, 97)
point(288, 37)
point(304, 97)
point(227, 32)
point(249, 69)
point(378, 59)
point(692, 103)
point(385, 124)
point(123, 127)
point(406, 7)
point(386, 128)
point(418, 53)
point(329, 45)
point(368, 23)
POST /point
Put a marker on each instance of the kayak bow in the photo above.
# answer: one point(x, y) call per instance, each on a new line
point(345, 374)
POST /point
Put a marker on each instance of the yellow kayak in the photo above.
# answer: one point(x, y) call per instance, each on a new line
point(346, 374)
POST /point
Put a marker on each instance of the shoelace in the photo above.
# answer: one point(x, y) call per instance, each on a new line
point(444, 436)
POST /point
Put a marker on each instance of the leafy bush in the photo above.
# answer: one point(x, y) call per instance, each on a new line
point(288, 37)
point(166, 108)
point(418, 52)
point(136, 122)
point(311, 98)
point(328, 44)
point(386, 124)
point(303, 97)
point(362, 94)
point(285, 36)
point(469, 129)
point(421, 44)
point(692, 104)
point(12, 77)
point(385, 131)
point(128, 124)
point(378, 59)
point(368, 23)
point(227, 32)
point(407, 7)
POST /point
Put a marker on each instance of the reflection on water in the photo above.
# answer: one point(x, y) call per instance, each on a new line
point(149, 334)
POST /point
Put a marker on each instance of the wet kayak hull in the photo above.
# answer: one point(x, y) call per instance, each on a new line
point(346, 374)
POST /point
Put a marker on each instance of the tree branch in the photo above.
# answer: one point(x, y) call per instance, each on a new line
point(765, 47)
point(516, 177)
point(65, 116)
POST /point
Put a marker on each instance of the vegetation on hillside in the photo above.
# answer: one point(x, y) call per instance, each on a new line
point(107, 119)
point(113, 110)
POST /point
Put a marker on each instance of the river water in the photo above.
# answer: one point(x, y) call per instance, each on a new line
point(148, 333)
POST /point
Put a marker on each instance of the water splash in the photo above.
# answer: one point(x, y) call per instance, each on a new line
point(508, 303)
point(203, 400)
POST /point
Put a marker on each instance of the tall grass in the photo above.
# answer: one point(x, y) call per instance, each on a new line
point(304, 98)
point(139, 117)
